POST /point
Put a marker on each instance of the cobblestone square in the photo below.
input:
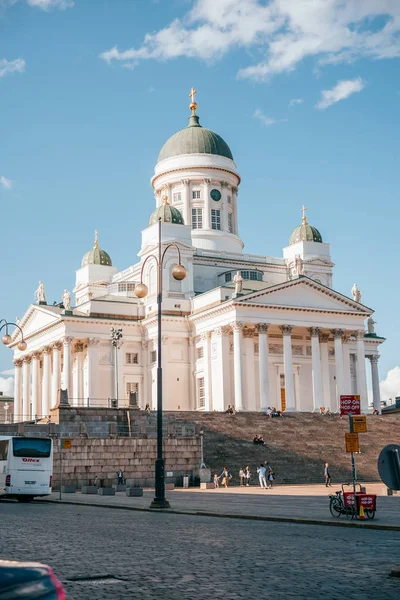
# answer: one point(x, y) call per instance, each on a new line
point(182, 556)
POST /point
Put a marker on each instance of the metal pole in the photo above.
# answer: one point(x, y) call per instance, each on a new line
point(353, 467)
point(116, 371)
point(159, 499)
point(202, 464)
point(61, 444)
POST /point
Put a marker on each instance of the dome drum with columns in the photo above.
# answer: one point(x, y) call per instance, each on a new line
point(241, 329)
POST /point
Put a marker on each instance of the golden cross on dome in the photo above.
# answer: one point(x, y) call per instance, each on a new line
point(193, 104)
point(304, 218)
point(96, 239)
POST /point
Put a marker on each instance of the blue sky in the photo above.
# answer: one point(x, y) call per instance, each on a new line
point(306, 96)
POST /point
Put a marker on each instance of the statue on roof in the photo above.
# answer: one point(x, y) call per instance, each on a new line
point(39, 294)
point(356, 293)
point(371, 325)
point(238, 281)
point(66, 299)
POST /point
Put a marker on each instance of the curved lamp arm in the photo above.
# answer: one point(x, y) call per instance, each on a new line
point(7, 323)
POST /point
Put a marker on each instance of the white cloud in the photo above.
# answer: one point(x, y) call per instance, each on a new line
point(343, 89)
point(11, 66)
point(7, 386)
point(51, 4)
point(6, 183)
point(295, 101)
point(284, 32)
point(390, 387)
point(267, 121)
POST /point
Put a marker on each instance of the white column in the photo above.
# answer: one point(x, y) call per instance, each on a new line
point(205, 338)
point(56, 377)
point(145, 399)
point(288, 367)
point(92, 390)
point(249, 371)
point(337, 334)
point(225, 206)
point(67, 369)
point(361, 372)
point(78, 399)
point(192, 379)
point(26, 388)
point(263, 365)
point(18, 362)
point(346, 365)
point(35, 409)
point(316, 369)
point(206, 204)
point(238, 364)
point(326, 387)
point(187, 213)
point(220, 369)
point(235, 209)
point(376, 393)
point(46, 381)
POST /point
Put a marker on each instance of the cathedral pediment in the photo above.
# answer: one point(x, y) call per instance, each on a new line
point(37, 318)
point(304, 294)
point(322, 262)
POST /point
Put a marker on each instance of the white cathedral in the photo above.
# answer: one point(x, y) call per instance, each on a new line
point(241, 329)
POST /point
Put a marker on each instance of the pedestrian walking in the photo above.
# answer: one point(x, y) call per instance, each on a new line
point(225, 477)
point(247, 475)
point(216, 481)
point(262, 476)
point(241, 477)
point(120, 477)
point(327, 475)
point(270, 478)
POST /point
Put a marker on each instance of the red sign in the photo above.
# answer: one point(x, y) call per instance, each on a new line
point(31, 460)
point(367, 500)
point(350, 405)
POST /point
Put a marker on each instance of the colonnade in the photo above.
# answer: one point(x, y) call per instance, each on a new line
point(39, 376)
point(321, 385)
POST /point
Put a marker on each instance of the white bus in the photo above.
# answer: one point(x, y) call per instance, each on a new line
point(26, 467)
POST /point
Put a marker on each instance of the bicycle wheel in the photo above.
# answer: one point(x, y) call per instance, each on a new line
point(335, 508)
point(369, 513)
point(350, 512)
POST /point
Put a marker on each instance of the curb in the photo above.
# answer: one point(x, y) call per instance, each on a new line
point(200, 513)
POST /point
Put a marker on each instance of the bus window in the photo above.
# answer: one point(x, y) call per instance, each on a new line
point(3, 449)
point(31, 447)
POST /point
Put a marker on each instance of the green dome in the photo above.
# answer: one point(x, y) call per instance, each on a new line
point(96, 256)
point(167, 214)
point(305, 233)
point(194, 139)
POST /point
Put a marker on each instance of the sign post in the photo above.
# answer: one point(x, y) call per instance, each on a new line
point(351, 405)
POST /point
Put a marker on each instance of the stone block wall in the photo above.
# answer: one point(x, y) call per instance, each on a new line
point(102, 458)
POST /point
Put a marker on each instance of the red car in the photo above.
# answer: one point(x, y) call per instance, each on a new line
point(29, 581)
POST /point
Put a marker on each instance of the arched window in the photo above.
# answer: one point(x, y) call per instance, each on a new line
point(152, 280)
point(174, 285)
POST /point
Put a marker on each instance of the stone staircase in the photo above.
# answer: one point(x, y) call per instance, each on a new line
point(297, 445)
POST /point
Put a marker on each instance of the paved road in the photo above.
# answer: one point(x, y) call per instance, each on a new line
point(185, 557)
point(304, 502)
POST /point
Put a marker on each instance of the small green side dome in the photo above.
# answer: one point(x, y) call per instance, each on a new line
point(167, 214)
point(194, 139)
point(305, 232)
point(96, 256)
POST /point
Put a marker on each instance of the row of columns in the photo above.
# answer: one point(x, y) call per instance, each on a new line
point(34, 396)
point(320, 368)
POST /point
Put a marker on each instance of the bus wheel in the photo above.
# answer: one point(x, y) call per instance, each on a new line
point(25, 498)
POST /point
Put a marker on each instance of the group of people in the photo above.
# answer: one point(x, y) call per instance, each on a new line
point(265, 472)
point(258, 440)
point(324, 411)
point(231, 410)
point(273, 412)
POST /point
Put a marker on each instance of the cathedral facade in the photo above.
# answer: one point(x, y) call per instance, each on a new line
point(240, 329)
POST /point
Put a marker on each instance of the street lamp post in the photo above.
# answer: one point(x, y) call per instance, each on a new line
point(116, 335)
point(141, 291)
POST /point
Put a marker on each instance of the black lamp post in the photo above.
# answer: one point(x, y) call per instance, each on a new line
point(141, 291)
point(116, 335)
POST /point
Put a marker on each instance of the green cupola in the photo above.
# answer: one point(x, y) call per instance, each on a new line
point(305, 232)
point(96, 256)
point(167, 214)
point(194, 139)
